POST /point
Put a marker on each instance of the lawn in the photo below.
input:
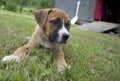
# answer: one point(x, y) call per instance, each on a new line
point(92, 56)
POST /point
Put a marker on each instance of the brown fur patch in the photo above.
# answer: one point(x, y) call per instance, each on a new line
point(55, 13)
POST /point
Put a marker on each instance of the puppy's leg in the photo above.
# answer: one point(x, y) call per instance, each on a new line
point(21, 51)
point(61, 63)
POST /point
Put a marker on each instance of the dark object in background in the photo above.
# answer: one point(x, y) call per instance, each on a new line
point(117, 30)
point(111, 11)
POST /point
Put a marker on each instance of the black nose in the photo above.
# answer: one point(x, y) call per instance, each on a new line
point(65, 37)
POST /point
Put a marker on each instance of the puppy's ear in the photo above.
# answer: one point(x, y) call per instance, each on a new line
point(41, 16)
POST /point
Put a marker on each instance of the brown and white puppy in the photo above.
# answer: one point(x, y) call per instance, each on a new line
point(52, 31)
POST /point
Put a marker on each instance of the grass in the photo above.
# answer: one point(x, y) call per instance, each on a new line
point(92, 56)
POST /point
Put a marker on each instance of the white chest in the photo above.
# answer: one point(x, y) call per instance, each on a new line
point(44, 42)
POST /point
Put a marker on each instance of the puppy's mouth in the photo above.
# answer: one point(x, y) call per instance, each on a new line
point(61, 40)
point(56, 38)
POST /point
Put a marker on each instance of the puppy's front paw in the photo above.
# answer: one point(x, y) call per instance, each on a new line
point(62, 68)
point(11, 57)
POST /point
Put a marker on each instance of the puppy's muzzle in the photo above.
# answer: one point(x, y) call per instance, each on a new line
point(65, 37)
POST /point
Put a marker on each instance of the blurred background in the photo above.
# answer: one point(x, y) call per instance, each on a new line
point(24, 6)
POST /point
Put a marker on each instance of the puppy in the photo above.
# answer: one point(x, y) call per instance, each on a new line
point(52, 31)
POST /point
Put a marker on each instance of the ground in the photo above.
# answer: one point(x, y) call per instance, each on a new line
point(92, 56)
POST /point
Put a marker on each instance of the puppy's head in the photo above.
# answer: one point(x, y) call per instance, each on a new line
point(54, 23)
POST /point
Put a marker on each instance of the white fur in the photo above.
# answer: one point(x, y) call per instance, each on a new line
point(11, 57)
point(62, 31)
point(44, 42)
point(62, 69)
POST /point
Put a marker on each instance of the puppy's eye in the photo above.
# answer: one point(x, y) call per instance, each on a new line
point(55, 22)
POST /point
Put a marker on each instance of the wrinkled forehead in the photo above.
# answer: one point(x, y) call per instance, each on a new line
point(56, 13)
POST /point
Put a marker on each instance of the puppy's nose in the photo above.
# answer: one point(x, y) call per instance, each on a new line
point(65, 37)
